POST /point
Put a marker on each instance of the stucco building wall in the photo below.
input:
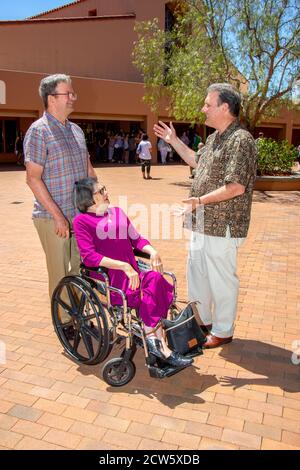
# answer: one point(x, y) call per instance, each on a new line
point(96, 52)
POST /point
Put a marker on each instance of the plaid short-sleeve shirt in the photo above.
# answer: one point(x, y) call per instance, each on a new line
point(229, 157)
point(61, 151)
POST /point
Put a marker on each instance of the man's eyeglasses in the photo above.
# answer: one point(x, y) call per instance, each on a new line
point(69, 94)
point(101, 191)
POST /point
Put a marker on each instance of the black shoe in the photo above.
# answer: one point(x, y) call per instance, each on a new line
point(177, 360)
point(154, 347)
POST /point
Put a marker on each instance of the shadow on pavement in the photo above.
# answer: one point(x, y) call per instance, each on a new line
point(272, 363)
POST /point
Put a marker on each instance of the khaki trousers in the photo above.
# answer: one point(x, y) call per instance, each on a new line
point(62, 256)
point(213, 281)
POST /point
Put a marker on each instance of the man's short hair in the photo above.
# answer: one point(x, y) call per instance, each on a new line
point(145, 137)
point(83, 193)
point(48, 85)
point(227, 94)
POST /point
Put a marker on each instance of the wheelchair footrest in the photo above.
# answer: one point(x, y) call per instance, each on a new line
point(161, 373)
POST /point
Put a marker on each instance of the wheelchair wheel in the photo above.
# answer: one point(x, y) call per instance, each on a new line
point(118, 372)
point(85, 332)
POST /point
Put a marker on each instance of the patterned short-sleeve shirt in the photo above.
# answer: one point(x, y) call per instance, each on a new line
point(229, 157)
point(61, 151)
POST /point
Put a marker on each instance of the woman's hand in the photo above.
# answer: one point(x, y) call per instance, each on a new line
point(134, 280)
point(156, 263)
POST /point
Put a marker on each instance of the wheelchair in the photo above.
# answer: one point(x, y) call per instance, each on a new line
point(94, 325)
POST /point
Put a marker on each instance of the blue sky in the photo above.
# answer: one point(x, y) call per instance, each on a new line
point(20, 9)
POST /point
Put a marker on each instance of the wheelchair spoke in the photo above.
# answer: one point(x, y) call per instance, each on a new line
point(63, 326)
point(64, 305)
point(92, 331)
point(89, 317)
point(72, 298)
point(88, 343)
point(81, 303)
point(76, 340)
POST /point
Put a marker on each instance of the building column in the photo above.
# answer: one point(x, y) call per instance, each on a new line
point(289, 130)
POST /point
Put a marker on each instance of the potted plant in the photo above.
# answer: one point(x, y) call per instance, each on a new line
point(274, 166)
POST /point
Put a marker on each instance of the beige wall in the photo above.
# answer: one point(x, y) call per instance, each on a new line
point(89, 48)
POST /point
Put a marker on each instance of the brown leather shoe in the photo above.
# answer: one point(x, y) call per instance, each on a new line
point(214, 342)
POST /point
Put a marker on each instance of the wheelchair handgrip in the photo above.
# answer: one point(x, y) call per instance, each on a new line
point(140, 254)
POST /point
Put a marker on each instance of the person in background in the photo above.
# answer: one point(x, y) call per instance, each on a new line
point(260, 136)
point(195, 146)
point(111, 146)
point(132, 146)
point(163, 148)
point(185, 139)
point(126, 148)
point(144, 153)
point(119, 147)
point(19, 151)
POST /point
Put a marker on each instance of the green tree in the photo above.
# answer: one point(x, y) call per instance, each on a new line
point(253, 44)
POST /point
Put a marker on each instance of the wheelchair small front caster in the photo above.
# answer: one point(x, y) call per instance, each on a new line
point(118, 372)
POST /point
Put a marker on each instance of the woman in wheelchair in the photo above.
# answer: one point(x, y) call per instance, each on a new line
point(106, 238)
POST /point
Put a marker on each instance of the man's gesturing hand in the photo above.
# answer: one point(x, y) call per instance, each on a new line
point(168, 134)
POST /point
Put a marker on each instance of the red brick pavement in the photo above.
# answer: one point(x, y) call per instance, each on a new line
point(244, 395)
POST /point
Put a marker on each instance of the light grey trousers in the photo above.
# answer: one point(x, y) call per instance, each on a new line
point(212, 280)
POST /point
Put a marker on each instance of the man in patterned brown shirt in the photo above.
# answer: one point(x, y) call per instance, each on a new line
point(222, 187)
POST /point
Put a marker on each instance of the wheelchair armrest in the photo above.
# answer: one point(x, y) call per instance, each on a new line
point(140, 254)
point(94, 269)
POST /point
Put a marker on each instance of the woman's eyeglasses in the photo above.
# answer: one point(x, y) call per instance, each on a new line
point(101, 191)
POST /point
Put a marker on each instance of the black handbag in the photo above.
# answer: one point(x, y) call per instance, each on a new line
point(183, 332)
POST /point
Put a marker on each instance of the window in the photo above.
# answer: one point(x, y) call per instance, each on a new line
point(93, 12)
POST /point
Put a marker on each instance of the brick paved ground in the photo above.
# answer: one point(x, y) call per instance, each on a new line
point(244, 395)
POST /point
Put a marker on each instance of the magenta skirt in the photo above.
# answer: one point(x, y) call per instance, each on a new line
point(152, 299)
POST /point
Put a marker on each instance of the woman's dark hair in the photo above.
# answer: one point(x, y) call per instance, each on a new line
point(83, 193)
point(145, 137)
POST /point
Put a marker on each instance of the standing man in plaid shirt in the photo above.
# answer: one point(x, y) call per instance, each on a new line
point(56, 156)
